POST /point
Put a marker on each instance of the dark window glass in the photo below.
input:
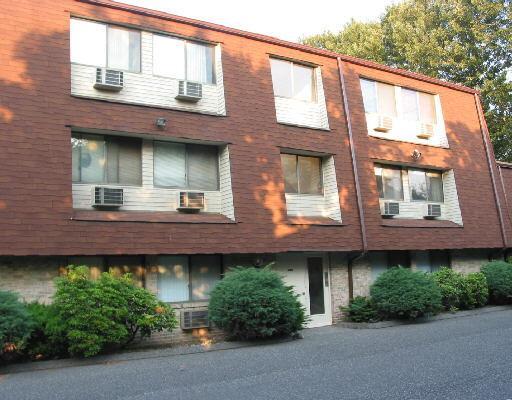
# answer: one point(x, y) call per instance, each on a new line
point(399, 258)
point(438, 259)
point(316, 286)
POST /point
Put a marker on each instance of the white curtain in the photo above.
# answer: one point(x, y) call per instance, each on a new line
point(88, 43)
point(123, 49)
point(199, 63)
point(168, 57)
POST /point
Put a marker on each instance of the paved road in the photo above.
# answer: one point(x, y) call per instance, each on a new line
point(463, 358)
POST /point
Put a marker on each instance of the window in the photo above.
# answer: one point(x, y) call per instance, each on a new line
point(439, 259)
point(119, 265)
point(181, 59)
point(398, 258)
point(426, 185)
point(187, 278)
point(106, 159)
point(302, 174)
point(418, 106)
point(102, 45)
point(186, 166)
point(378, 97)
point(389, 182)
point(293, 81)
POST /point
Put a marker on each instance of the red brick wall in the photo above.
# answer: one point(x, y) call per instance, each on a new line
point(37, 111)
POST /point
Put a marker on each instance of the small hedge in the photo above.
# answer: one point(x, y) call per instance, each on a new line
point(361, 309)
point(15, 325)
point(402, 293)
point(461, 291)
point(104, 314)
point(251, 303)
point(499, 280)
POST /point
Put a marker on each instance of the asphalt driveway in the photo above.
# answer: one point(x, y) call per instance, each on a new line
point(462, 358)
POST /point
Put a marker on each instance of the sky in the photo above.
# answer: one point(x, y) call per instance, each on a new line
point(285, 19)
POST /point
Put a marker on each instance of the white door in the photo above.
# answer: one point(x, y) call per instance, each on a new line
point(309, 276)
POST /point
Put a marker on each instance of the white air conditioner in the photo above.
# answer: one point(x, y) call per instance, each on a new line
point(383, 123)
point(391, 208)
point(109, 79)
point(191, 202)
point(425, 131)
point(194, 319)
point(107, 197)
point(189, 91)
point(433, 211)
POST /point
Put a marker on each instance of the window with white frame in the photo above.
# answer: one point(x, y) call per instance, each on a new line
point(183, 59)
point(292, 80)
point(187, 278)
point(102, 45)
point(106, 159)
point(380, 98)
point(302, 174)
point(186, 166)
point(426, 185)
point(389, 182)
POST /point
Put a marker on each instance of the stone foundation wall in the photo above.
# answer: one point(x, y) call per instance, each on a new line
point(471, 260)
point(339, 284)
point(361, 276)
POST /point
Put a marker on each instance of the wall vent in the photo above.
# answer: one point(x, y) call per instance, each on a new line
point(107, 197)
point(189, 91)
point(194, 319)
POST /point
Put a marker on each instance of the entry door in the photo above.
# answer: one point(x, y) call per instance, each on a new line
point(309, 277)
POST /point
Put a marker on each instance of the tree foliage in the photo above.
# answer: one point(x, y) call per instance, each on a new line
point(463, 41)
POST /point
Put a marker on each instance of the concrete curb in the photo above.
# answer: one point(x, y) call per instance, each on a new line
point(446, 315)
point(136, 354)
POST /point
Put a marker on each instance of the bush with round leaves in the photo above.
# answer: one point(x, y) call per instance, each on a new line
point(103, 314)
point(251, 303)
point(499, 281)
point(403, 293)
point(476, 291)
point(15, 325)
point(461, 291)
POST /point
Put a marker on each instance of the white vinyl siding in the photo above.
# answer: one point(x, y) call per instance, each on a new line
point(149, 197)
point(324, 205)
point(408, 110)
point(409, 209)
point(152, 87)
point(294, 104)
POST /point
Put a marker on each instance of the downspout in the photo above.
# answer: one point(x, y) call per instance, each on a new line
point(491, 164)
point(359, 198)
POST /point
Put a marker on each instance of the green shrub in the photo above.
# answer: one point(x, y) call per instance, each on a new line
point(98, 315)
point(361, 309)
point(499, 280)
point(15, 325)
point(402, 293)
point(461, 291)
point(451, 284)
point(476, 291)
point(47, 339)
point(252, 303)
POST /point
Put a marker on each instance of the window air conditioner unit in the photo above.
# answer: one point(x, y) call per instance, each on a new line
point(107, 197)
point(109, 79)
point(433, 211)
point(189, 91)
point(383, 123)
point(425, 131)
point(391, 208)
point(194, 319)
point(191, 202)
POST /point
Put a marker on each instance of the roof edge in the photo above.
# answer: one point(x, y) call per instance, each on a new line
point(273, 40)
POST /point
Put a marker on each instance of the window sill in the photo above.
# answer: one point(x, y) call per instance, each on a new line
point(317, 128)
point(150, 216)
point(419, 142)
point(314, 221)
point(419, 223)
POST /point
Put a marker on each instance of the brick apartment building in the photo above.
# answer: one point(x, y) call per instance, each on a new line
point(174, 148)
